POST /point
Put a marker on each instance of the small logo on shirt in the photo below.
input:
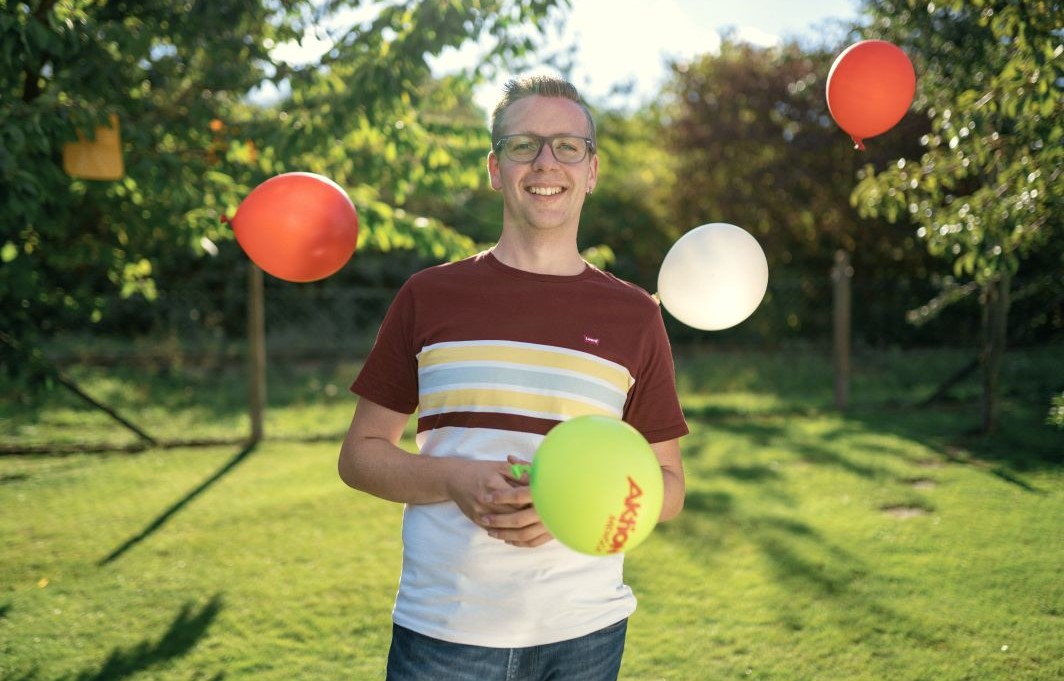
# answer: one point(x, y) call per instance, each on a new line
point(590, 341)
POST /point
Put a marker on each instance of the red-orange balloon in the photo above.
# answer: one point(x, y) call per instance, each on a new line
point(870, 87)
point(297, 226)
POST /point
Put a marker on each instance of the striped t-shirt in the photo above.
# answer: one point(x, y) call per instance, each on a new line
point(491, 358)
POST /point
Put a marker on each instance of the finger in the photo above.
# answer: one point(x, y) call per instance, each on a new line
point(485, 514)
point(514, 460)
point(538, 541)
point(527, 537)
point(514, 496)
point(519, 519)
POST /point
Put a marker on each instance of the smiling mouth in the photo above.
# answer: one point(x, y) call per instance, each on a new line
point(545, 191)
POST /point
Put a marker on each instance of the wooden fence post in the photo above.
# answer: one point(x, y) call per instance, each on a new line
point(841, 274)
point(995, 326)
point(256, 351)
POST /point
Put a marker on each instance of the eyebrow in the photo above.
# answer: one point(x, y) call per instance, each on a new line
point(581, 135)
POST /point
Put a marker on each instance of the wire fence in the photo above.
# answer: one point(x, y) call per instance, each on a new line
point(190, 350)
point(192, 325)
point(332, 321)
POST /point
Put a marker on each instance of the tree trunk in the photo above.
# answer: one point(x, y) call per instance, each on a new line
point(841, 274)
point(995, 325)
point(256, 352)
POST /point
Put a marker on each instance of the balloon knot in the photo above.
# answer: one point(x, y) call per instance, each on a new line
point(224, 219)
point(858, 144)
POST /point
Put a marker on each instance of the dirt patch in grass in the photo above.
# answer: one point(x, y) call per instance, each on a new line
point(904, 512)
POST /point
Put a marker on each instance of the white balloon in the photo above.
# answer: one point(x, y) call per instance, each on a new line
point(713, 277)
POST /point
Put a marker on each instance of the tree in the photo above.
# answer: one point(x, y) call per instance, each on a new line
point(178, 78)
point(629, 213)
point(755, 146)
point(986, 192)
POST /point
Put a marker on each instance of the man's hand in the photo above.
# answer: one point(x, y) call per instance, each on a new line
point(473, 484)
point(517, 523)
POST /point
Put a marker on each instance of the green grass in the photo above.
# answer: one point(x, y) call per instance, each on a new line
point(183, 402)
point(887, 543)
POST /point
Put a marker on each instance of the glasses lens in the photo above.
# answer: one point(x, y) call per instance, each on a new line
point(569, 149)
point(522, 148)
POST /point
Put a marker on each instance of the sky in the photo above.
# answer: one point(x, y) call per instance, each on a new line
point(630, 41)
point(622, 41)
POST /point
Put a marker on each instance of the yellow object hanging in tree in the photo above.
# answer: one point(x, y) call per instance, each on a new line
point(99, 159)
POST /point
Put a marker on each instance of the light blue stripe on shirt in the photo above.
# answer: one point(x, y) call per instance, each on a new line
point(445, 377)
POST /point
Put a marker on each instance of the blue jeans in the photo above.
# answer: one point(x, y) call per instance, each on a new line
point(594, 657)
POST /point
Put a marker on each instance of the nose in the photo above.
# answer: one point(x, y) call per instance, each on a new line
point(545, 158)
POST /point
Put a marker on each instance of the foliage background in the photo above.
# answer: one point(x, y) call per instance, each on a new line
point(742, 136)
point(135, 290)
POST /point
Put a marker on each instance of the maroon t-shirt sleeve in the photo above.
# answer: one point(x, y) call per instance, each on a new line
point(389, 375)
point(653, 407)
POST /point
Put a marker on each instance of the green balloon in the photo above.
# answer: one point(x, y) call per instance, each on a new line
point(597, 485)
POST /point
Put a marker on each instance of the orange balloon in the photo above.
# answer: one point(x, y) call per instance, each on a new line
point(299, 227)
point(870, 87)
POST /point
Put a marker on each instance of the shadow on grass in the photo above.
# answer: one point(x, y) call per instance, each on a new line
point(13, 477)
point(817, 573)
point(776, 429)
point(881, 444)
point(1022, 443)
point(185, 631)
point(182, 636)
point(822, 575)
point(1014, 480)
point(169, 513)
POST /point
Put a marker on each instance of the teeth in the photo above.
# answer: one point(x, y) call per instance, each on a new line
point(545, 191)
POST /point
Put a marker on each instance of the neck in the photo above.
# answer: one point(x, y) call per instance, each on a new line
point(539, 256)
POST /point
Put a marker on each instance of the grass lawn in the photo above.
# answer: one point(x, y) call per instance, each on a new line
point(886, 543)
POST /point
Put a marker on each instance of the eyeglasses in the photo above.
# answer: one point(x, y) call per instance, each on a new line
point(525, 148)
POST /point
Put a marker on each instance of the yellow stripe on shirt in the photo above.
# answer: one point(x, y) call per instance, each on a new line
point(529, 355)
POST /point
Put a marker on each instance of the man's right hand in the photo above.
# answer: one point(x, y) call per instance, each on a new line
point(472, 485)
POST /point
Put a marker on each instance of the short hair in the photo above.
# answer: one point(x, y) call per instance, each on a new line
point(544, 86)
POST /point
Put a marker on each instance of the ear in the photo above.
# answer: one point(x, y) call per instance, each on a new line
point(493, 172)
point(592, 177)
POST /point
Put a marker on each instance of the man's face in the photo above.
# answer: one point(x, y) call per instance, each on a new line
point(543, 193)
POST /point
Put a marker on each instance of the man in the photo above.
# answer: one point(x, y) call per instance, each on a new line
point(493, 351)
